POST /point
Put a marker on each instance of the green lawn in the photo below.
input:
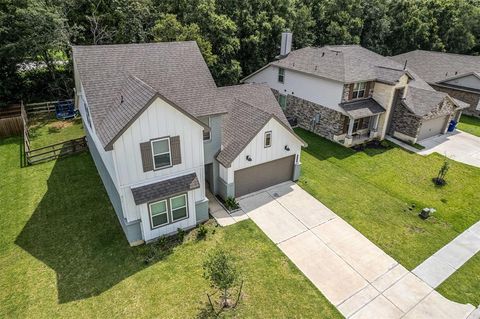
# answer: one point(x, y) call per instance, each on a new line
point(464, 285)
point(374, 190)
point(51, 131)
point(63, 254)
point(469, 124)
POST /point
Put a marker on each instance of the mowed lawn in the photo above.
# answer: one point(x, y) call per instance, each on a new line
point(63, 254)
point(469, 124)
point(374, 190)
point(44, 132)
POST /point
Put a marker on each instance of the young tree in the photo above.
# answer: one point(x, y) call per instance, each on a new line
point(220, 269)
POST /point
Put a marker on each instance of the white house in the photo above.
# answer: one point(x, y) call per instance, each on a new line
point(162, 134)
point(351, 95)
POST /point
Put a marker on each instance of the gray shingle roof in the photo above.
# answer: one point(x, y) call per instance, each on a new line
point(435, 67)
point(362, 108)
point(174, 69)
point(344, 63)
point(164, 189)
point(421, 102)
point(251, 106)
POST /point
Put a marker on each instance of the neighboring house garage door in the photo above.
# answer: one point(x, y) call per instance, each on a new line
point(249, 180)
point(432, 127)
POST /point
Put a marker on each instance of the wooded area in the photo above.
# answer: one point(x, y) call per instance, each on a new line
point(235, 37)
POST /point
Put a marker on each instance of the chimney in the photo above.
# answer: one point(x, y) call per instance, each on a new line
point(286, 45)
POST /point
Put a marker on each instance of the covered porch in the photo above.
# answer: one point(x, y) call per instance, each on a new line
point(360, 122)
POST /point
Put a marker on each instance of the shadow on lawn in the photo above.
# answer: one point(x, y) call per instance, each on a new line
point(74, 230)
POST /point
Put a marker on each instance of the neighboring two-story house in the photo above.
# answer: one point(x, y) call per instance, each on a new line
point(455, 74)
point(162, 134)
point(351, 95)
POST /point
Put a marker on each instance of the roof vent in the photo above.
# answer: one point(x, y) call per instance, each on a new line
point(456, 72)
point(446, 74)
point(323, 53)
point(315, 68)
point(121, 98)
point(405, 65)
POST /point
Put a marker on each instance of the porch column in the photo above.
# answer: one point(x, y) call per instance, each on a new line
point(374, 130)
point(349, 138)
point(350, 128)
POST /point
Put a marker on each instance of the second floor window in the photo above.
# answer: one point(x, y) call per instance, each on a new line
point(161, 153)
point(268, 139)
point(359, 90)
point(281, 75)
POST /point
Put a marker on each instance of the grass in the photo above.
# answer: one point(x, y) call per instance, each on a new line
point(469, 124)
point(44, 132)
point(381, 191)
point(464, 285)
point(63, 254)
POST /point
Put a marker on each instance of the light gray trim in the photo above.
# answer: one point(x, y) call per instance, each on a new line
point(296, 171)
point(201, 210)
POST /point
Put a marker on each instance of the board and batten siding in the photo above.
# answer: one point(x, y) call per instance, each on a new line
point(259, 153)
point(318, 90)
point(160, 119)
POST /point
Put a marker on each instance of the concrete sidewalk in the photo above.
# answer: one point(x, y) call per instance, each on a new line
point(355, 275)
point(449, 258)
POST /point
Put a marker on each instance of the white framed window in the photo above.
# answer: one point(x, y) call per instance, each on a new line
point(178, 207)
point(161, 153)
point(282, 100)
point(268, 139)
point(207, 136)
point(359, 90)
point(158, 213)
point(281, 75)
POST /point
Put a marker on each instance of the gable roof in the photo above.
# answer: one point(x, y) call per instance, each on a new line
point(436, 67)
point(174, 70)
point(422, 102)
point(343, 63)
point(253, 105)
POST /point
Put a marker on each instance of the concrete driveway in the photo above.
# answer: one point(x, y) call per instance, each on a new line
point(459, 146)
point(356, 276)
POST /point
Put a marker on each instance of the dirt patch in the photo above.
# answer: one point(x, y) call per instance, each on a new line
point(58, 125)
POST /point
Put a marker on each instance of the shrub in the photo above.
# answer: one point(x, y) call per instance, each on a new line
point(202, 232)
point(231, 203)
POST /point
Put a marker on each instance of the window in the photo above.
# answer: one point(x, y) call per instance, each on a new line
point(358, 90)
point(361, 124)
point(161, 153)
point(158, 213)
point(281, 75)
point(268, 139)
point(178, 206)
point(282, 100)
point(206, 135)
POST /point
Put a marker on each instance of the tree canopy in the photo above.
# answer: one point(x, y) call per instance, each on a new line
point(235, 37)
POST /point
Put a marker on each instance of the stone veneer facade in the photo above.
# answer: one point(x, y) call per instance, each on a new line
point(407, 123)
point(331, 121)
point(467, 97)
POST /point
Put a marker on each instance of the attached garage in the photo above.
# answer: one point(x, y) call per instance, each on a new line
point(252, 179)
point(432, 127)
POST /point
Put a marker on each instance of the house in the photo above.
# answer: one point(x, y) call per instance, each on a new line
point(351, 95)
point(455, 74)
point(162, 134)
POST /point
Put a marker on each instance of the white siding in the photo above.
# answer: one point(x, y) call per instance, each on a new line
point(308, 87)
point(260, 154)
point(469, 81)
point(159, 120)
point(149, 233)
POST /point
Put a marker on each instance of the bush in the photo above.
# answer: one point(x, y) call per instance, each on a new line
point(231, 203)
point(202, 232)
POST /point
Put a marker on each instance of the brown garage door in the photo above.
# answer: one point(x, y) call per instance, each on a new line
point(249, 180)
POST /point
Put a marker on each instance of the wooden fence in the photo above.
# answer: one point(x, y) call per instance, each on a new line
point(55, 151)
point(42, 107)
point(10, 121)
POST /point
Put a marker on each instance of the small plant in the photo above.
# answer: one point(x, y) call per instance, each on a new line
point(181, 234)
point(221, 270)
point(385, 144)
point(231, 203)
point(440, 179)
point(202, 232)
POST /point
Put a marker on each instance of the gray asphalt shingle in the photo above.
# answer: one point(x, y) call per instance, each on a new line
point(362, 108)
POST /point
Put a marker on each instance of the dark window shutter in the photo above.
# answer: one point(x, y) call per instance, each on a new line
point(368, 87)
point(147, 158)
point(350, 94)
point(175, 150)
